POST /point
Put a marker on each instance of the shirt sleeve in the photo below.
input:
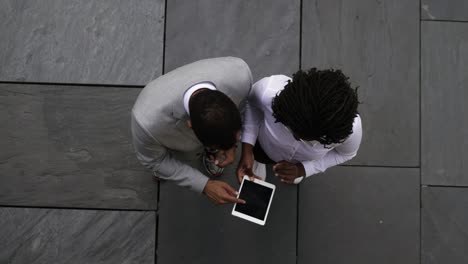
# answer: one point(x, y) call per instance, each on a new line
point(344, 152)
point(252, 112)
point(157, 158)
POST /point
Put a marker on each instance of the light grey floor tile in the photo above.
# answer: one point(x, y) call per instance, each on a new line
point(359, 215)
point(76, 236)
point(444, 229)
point(193, 230)
point(444, 92)
point(444, 9)
point(106, 41)
point(264, 33)
point(376, 44)
point(70, 146)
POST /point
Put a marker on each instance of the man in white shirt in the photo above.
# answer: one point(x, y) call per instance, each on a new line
point(302, 125)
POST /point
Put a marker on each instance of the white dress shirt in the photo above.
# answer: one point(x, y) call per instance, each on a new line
point(194, 88)
point(276, 140)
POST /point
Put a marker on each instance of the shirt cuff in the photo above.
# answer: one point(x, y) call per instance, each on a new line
point(199, 184)
point(250, 138)
point(309, 167)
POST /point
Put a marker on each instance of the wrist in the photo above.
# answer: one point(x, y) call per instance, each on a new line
point(300, 169)
point(247, 149)
point(206, 186)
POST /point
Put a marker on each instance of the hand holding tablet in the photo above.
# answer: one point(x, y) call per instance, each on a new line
point(258, 196)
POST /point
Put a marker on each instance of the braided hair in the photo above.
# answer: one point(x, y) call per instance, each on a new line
point(317, 105)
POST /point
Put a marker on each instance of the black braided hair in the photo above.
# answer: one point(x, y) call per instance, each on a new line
point(317, 105)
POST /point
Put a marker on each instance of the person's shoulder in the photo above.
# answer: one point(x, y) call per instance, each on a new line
point(223, 62)
point(357, 129)
point(281, 77)
point(357, 123)
point(276, 80)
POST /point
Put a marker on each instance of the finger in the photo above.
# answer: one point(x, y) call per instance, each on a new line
point(233, 199)
point(287, 181)
point(253, 177)
point(228, 159)
point(285, 173)
point(286, 169)
point(219, 156)
point(211, 157)
point(248, 171)
point(298, 180)
point(240, 172)
point(229, 189)
point(281, 165)
point(239, 178)
point(288, 178)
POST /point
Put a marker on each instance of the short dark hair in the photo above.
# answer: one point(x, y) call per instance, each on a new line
point(318, 105)
point(215, 119)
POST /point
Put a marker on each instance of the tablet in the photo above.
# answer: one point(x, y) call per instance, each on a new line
point(258, 196)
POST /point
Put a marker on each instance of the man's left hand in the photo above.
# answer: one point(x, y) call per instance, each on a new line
point(225, 157)
point(288, 171)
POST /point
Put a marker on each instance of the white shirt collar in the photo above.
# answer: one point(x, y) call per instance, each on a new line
point(194, 88)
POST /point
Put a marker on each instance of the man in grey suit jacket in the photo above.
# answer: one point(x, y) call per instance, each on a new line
point(189, 109)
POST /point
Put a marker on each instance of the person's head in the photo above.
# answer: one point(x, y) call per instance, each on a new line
point(215, 119)
point(317, 105)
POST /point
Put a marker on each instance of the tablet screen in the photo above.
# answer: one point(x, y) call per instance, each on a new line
point(257, 198)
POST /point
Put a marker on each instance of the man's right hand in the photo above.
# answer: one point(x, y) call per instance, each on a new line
point(220, 192)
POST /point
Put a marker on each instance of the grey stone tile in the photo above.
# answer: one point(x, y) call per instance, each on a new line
point(376, 44)
point(76, 236)
point(444, 91)
point(264, 33)
point(359, 215)
point(193, 230)
point(444, 231)
point(81, 41)
point(70, 146)
point(444, 9)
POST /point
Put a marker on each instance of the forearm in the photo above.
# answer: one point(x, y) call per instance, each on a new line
point(247, 149)
point(181, 174)
point(157, 158)
point(332, 158)
point(342, 153)
point(251, 123)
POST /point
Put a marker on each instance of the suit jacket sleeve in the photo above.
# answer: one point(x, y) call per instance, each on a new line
point(154, 156)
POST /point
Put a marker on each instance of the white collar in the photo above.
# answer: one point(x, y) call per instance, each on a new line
point(194, 88)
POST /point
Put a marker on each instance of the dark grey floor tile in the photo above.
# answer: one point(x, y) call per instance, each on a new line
point(376, 44)
point(444, 225)
point(360, 215)
point(444, 91)
point(193, 230)
point(70, 146)
point(81, 41)
point(264, 33)
point(76, 236)
point(444, 9)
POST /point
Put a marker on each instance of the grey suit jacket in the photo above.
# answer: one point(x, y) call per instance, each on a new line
point(159, 126)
